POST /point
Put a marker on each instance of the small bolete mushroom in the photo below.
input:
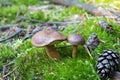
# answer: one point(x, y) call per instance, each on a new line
point(47, 38)
point(75, 40)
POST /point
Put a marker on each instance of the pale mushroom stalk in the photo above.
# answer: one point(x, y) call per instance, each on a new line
point(51, 52)
point(86, 48)
point(74, 51)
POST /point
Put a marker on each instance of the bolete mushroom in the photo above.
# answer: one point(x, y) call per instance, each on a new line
point(75, 40)
point(47, 38)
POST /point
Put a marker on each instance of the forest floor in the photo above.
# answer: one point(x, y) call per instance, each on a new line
point(20, 60)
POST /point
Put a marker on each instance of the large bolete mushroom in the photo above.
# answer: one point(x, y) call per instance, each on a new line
point(47, 38)
point(75, 40)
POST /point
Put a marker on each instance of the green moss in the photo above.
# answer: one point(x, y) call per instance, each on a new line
point(56, 15)
point(7, 54)
point(25, 2)
point(39, 15)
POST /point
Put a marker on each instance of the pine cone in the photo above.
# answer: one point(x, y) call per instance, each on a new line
point(106, 26)
point(92, 42)
point(107, 63)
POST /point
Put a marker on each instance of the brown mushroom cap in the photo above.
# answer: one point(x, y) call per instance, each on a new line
point(46, 37)
point(76, 39)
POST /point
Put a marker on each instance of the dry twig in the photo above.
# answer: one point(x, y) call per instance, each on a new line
point(9, 72)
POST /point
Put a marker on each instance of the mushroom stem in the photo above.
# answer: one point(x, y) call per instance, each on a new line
point(74, 51)
point(86, 48)
point(51, 52)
